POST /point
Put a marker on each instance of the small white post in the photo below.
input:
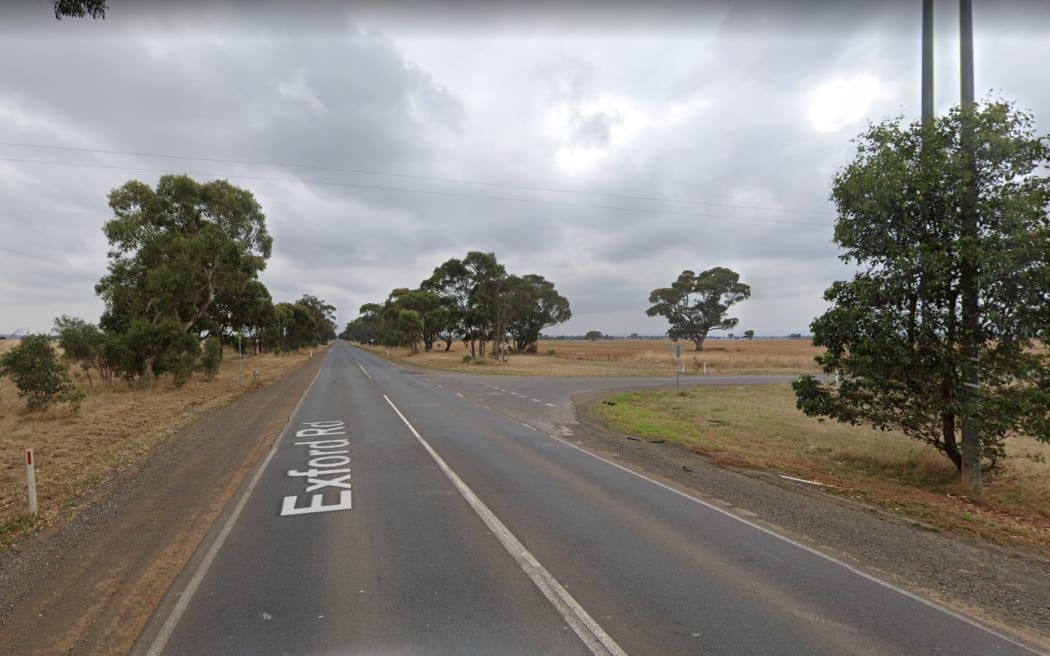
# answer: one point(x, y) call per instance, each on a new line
point(705, 367)
point(31, 479)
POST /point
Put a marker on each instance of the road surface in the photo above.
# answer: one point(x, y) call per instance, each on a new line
point(408, 513)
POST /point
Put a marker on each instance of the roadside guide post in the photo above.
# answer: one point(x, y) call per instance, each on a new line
point(677, 363)
point(31, 479)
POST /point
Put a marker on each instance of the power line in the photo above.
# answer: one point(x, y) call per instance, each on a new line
point(533, 201)
point(404, 176)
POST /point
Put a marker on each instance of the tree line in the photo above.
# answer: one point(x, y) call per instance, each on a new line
point(182, 282)
point(473, 300)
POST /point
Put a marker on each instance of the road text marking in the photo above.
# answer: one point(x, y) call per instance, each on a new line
point(327, 457)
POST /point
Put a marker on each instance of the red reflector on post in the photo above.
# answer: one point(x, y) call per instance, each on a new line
point(29, 457)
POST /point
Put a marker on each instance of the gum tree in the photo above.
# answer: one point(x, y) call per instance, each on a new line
point(697, 303)
point(894, 333)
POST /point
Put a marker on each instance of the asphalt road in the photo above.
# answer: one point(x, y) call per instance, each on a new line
point(408, 513)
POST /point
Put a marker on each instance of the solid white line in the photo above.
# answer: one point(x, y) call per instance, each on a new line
point(363, 370)
point(861, 573)
point(184, 599)
point(592, 635)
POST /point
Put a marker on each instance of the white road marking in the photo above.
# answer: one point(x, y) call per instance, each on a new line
point(536, 400)
point(861, 573)
point(168, 628)
point(460, 395)
point(359, 366)
point(592, 635)
point(551, 405)
point(529, 427)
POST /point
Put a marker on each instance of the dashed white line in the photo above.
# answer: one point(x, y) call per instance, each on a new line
point(529, 427)
point(359, 366)
point(592, 635)
point(551, 405)
point(460, 395)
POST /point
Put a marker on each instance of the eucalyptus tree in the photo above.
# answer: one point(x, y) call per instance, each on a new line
point(894, 333)
point(173, 252)
point(532, 304)
point(697, 303)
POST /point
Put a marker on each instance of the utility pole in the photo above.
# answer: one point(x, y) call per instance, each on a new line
point(971, 320)
point(927, 62)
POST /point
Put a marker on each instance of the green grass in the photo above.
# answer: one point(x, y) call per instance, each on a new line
point(759, 427)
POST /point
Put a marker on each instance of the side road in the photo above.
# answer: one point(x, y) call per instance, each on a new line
point(90, 587)
point(1006, 589)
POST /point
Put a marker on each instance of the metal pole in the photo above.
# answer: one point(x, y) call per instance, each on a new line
point(927, 61)
point(971, 320)
point(240, 361)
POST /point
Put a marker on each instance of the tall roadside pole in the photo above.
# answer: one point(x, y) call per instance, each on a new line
point(927, 62)
point(971, 320)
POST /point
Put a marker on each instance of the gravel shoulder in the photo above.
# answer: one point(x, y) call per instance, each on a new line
point(1005, 589)
point(89, 587)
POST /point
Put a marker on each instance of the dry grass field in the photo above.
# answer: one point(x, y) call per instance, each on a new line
point(626, 358)
point(758, 427)
point(114, 428)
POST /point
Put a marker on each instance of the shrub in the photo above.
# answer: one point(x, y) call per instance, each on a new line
point(38, 375)
point(212, 358)
point(467, 358)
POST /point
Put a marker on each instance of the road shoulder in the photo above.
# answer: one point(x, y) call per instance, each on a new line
point(1006, 589)
point(136, 533)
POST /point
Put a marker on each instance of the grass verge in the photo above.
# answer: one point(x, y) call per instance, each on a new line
point(759, 427)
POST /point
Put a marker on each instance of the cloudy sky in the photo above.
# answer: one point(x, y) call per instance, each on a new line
point(606, 147)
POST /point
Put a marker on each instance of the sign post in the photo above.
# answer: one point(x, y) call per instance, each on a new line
point(31, 479)
point(677, 366)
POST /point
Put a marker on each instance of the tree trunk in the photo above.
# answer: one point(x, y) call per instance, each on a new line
point(699, 341)
point(951, 447)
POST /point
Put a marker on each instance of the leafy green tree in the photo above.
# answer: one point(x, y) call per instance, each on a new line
point(80, 8)
point(84, 343)
point(452, 282)
point(324, 317)
point(409, 329)
point(487, 313)
point(894, 333)
point(432, 313)
point(36, 372)
point(593, 335)
point(295, 326)
point(532, 304)
point(368, 327)
point(696, 304)
point(749, 334)
point(174, 252)
point(211, 360)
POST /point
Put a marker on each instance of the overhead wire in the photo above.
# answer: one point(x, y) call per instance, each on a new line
point(409, 189)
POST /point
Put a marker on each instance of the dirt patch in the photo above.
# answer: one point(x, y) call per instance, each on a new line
point(133, 533)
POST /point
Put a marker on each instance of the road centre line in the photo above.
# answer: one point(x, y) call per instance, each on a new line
point(359, 366)
point(592, 635)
